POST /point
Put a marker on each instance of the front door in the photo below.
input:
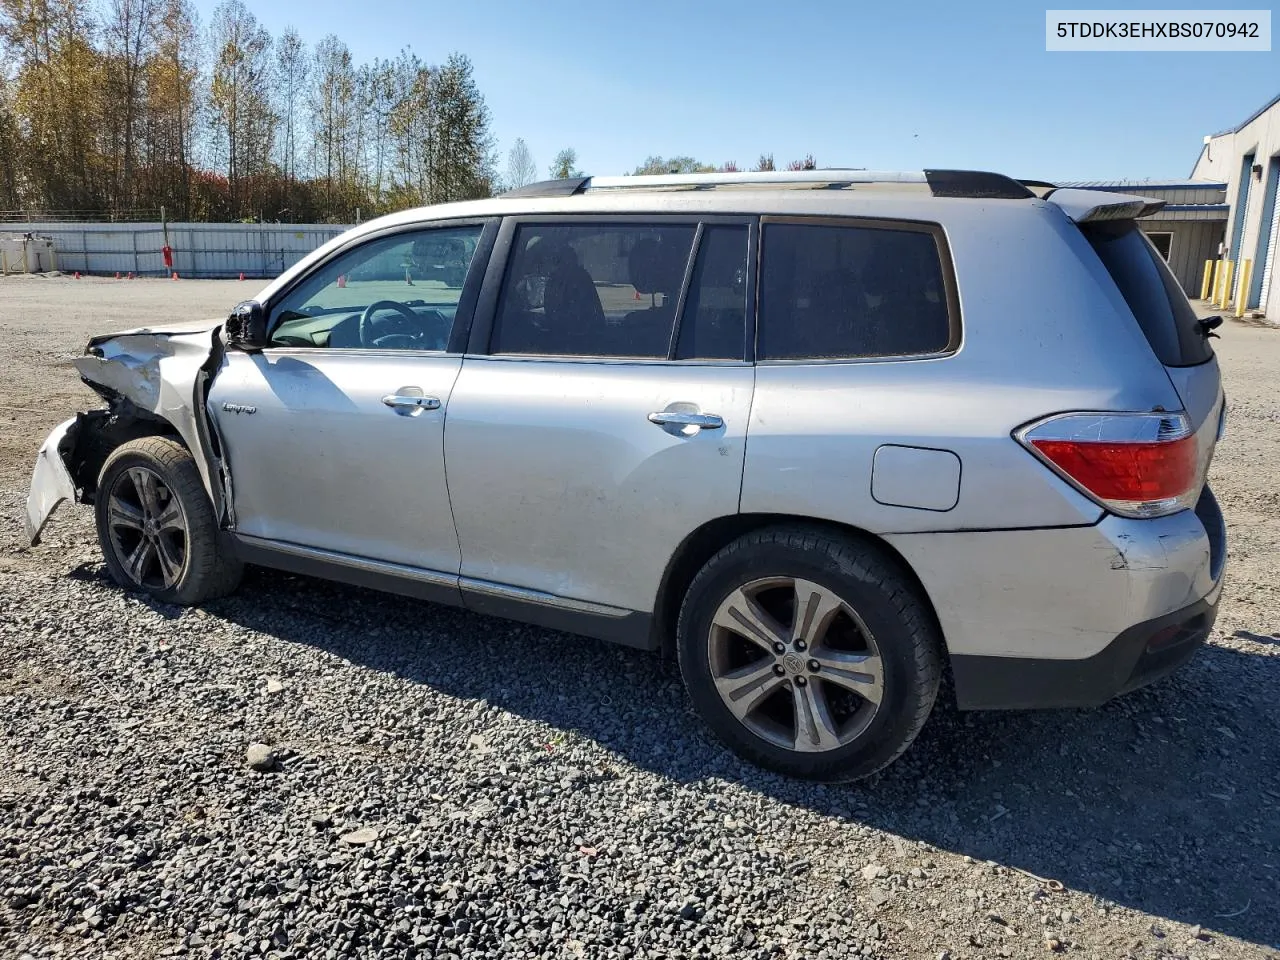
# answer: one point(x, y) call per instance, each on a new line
point(599, 431)
point(333, 435)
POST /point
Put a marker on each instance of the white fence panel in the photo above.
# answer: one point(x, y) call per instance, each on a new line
point(199, 249)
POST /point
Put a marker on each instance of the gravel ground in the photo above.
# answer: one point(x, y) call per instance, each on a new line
point(440, 784)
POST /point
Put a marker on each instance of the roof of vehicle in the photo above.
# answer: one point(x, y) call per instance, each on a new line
point(806, 192)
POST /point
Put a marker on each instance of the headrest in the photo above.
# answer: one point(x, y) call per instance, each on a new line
point(656, 267)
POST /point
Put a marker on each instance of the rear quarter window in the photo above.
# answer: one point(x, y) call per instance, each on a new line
point(833, 291)
point(1151, 291)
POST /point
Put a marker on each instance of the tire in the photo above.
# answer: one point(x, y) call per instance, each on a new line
point(837, 697)
point(156, 525)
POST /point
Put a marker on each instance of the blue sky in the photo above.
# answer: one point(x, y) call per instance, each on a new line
point(895, 86)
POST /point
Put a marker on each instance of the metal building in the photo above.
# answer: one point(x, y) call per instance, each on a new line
point(1187, 230)
point(1247, 159)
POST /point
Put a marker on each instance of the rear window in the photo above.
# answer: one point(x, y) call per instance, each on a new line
point(1152, 292)
point(849, 292)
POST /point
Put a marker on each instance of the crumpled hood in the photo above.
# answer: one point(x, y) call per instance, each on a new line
point(167, 329)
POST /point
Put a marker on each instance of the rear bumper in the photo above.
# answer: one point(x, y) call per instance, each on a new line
point(1140, 655)
point(1072, 617)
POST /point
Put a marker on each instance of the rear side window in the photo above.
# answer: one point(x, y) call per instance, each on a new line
point(1152, 292)
point(847, 292)
point(592, 290)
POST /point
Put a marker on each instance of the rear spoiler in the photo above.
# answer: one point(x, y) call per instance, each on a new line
point(1087, 206)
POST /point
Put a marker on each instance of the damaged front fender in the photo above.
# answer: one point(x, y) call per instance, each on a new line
point(153, 381)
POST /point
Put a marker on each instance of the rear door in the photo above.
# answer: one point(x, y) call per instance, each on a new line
point(602, 415)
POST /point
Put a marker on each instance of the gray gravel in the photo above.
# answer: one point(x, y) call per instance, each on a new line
point(310, 770)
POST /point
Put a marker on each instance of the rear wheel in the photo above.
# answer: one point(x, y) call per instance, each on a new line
point(808, 653)
point(156, 525)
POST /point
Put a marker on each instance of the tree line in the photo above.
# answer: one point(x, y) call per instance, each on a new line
point(113, 108)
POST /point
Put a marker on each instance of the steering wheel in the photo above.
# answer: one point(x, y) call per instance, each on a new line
point(365, 327)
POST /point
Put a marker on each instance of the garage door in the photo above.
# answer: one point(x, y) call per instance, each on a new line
point(1268, 267)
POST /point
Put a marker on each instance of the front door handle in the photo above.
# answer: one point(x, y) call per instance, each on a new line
point(410, 404)
point(703, 421)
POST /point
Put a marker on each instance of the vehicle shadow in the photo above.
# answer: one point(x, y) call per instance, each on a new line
point(1273, 638)
point(1166, 801)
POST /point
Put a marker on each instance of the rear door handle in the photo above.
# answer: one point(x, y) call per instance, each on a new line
point(703, 421)
point(400, 401)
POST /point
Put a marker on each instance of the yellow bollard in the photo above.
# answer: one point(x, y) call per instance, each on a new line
point(4, 263)
point(1213, 285)
point(1242, 294)
point(1206, 286)
point(1226, 284)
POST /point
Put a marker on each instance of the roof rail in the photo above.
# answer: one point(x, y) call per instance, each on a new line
point(550, 188)
point(764, 178)
point(942, 183)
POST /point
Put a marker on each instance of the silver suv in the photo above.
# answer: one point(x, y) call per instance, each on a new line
point(822, 435)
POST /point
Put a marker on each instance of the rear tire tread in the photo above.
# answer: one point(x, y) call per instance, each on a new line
point(873, 565)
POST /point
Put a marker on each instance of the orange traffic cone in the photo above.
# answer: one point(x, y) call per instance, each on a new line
point(637, 296)
point(175, 275)
point(241, 275)
point(130, 274)
point(117, 274)
point(77, 274)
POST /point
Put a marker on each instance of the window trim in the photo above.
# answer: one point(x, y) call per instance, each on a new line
point(463, 316)
point(481, 338)
point(950, 289)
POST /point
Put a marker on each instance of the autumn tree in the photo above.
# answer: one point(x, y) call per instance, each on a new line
point(117, 107)
point(240, 98)
point(56, 100)
point(10, 145)
point(129, 32)
point(170, 109)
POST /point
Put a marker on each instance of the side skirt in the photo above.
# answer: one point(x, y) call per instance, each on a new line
point(631, 628)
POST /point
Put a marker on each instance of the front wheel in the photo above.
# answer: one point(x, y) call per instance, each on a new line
point(808, 653)
point(156, 525)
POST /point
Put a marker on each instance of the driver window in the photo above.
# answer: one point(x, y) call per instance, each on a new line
point(394, 293)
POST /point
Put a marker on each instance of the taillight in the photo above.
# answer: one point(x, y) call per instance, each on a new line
point(1134, 464)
